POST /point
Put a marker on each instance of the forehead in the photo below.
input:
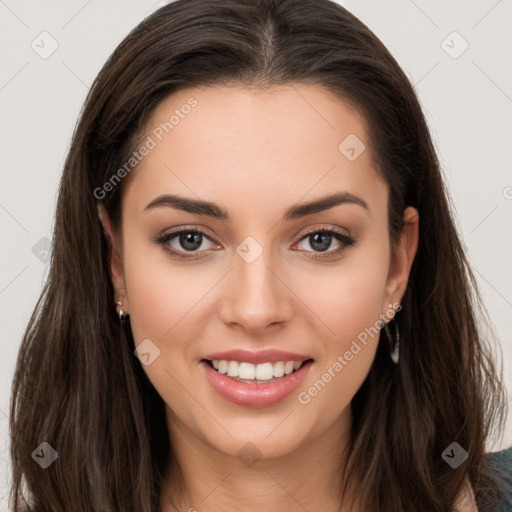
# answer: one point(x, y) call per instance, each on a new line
point(286, 143)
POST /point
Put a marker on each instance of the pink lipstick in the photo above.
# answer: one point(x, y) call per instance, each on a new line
point(255, 379)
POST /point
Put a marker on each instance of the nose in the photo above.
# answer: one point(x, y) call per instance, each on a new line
point(257, 297)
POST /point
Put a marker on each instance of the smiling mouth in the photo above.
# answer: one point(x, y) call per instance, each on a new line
point(262, 373)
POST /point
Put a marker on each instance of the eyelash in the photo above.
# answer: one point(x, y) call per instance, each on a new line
point(163, 240)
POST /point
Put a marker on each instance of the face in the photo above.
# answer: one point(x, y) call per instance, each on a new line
point(265, 277)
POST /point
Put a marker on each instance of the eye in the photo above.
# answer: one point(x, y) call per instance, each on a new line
point(180, 242)
point(188, 243)
point(321, 239)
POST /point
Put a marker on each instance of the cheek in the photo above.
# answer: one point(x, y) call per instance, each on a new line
point(169, 306)
point(347, 305)
point(347, 298)
point(161, 294)
point(153, 297)
point(163, 303)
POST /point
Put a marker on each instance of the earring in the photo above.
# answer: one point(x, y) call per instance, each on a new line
point(120, 312)
point(125, 324)
point(395, 347)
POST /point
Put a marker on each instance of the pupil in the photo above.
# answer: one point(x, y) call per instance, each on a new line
point(323, 239)
point(190, 238)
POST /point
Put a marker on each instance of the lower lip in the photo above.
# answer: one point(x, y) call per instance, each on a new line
point(257, 394)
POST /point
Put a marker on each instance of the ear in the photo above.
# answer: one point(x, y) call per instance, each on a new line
point(115, 257)
point(402, 259)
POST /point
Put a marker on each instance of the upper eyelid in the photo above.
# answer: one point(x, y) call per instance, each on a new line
point(314, 229)
point(330, 228)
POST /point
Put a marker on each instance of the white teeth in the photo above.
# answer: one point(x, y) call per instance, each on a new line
point(223, 366)
point(263, 371)
point(279, 369)
point(288, 367)
point(233, 367)
point(246, 371)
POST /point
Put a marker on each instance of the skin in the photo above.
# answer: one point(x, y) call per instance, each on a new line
point(256, 154)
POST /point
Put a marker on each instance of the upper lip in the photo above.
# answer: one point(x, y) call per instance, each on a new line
point(261, 356)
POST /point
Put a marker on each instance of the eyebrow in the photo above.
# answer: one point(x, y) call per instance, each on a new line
point(210, 209)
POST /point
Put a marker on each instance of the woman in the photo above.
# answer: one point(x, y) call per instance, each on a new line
point(258, 298)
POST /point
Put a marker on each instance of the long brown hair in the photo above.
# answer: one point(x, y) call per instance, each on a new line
point(79, 387)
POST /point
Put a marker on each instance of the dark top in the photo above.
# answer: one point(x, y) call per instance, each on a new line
point(502, 462)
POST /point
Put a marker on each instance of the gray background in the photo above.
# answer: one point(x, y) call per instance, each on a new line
point(467, 99)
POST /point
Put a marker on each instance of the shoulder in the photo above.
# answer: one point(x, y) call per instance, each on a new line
point(501, 460)
point(501, 463)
